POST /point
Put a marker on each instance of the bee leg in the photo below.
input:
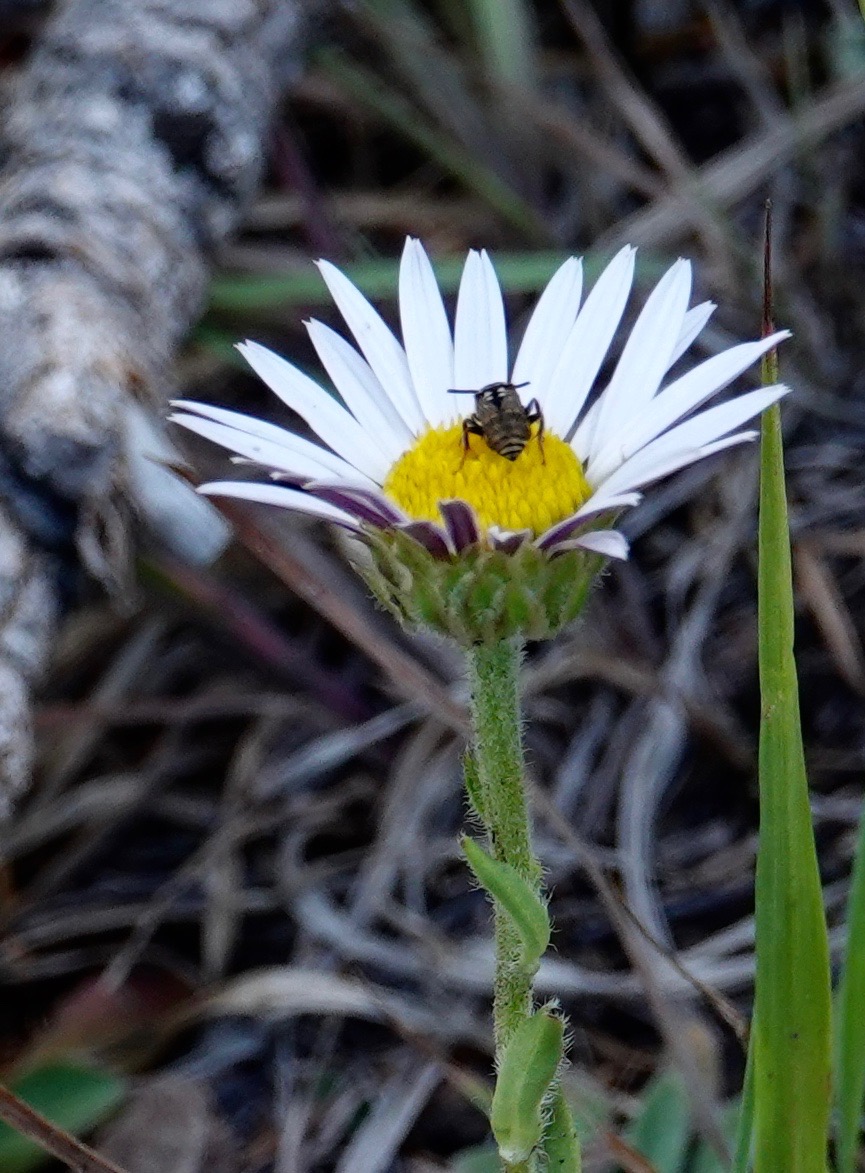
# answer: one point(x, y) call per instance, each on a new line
point(470, 427)
point(536, 416)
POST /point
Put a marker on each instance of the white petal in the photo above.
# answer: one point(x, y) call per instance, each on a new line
point(278, 495)
point(711, 425)
point(588, 342)
point(695, 320)
point(672, 462)
point(646, 356)
point(252, 448)
point(375, 338)
point(691, 436)
point(602, 502)
point(325, 416)
point(608, 542)
point(677, 401)
point(426, 335)
point(548, 329)
point(584, 432)
point(361, 390)
point(292, 444)
point(480, 335)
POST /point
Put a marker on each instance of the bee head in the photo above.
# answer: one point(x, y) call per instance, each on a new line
point(492, 393)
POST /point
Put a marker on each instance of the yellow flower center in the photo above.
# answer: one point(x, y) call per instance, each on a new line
point(544, 485)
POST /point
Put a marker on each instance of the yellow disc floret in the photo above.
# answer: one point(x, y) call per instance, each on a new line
point(544, 485)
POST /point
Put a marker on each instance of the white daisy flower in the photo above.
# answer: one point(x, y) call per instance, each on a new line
point(394, 454)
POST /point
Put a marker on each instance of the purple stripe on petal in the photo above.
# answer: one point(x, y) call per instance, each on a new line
point(376, 501)
point(460, 523)
point(359, 509)
point(561, 532)
point(348, 525)
point(428, 535)
point(564, 529)
point(509, 541)
point(368, 497)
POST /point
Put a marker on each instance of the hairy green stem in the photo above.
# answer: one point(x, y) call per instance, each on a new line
point(495, 781)
point(498, 760)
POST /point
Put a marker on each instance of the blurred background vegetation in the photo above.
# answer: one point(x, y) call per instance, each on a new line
point(234, 912)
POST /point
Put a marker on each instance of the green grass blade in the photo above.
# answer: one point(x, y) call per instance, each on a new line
point(480, 1159)
point(662, 1130)
point(519, 272)
point(850, 1026)
point(434, 76)
point(705, 1159)
point(505, 35)
point(366, 89)
point(792, 1033)
point(72, 1096)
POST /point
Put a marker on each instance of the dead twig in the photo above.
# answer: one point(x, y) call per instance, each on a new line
point(825, 601)
point(738, 172)
point(26, 1120)
point(651, 130)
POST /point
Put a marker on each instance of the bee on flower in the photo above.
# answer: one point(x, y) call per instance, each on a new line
point(483, 525)
point(501, 419)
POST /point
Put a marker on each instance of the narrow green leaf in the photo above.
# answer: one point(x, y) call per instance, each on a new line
point(792, 1007)
point(850, 1025)
point(662, 1130)
point(74, 1097)
point(561, 1142)
point(528, 1068)
point(517, 897)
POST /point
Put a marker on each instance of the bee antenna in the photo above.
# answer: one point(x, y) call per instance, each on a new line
point(460, 391)
point(518, 385)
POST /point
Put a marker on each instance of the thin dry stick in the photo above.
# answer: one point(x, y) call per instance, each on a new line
point(737, 173)
point(621, 915)
point(24, 1119)
point(823, 597)
point(562, 126)
point(625, 922)
point(650, 128)
point(747, 67)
